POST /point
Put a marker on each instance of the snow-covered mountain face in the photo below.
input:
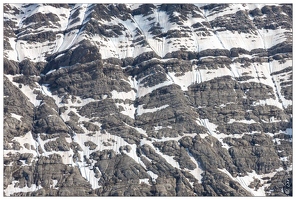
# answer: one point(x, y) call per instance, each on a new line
point(147, 99)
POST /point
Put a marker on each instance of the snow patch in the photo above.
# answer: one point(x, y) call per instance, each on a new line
point(269, 101)
point(129, 109)
point(152, 175)
point(145, 180)
point(36, 52)
point(141, 110)
point(54, 183)
point(65, 155)
point(88, 173)
point(197, 172)
point(18, 117)
point(140, 130)
point(242, 121)
point(251, 41)
point(104, 141)
point(284, 159)
point(246, 180)
point(11, 189)
point(142, 91)
point(133, 154)
point(169, 159)
point(26, 90)
point(157, 128)
point(49, 72)
point(121, 46)
point(212, 131)
point(203, 136)
point(124, 95)
point(27, 138)
point(289, 131)
point(163, 139)
point(12, 54)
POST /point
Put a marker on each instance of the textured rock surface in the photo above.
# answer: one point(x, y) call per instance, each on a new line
point(147, 100)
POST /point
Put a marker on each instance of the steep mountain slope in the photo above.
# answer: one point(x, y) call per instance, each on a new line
point(147, 99)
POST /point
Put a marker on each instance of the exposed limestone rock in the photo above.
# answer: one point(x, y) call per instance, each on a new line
point(60, 144)
point(90, 126)
point(50, 124)
point(91, 145)
point(74, 126)
point(272, 17)
point(10, 67)
point(16, 102)
point(172, 148)
point(96, 101)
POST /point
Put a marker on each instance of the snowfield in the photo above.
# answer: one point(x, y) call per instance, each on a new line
point(123, 45)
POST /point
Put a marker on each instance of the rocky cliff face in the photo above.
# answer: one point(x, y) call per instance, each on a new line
point(147, 99)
